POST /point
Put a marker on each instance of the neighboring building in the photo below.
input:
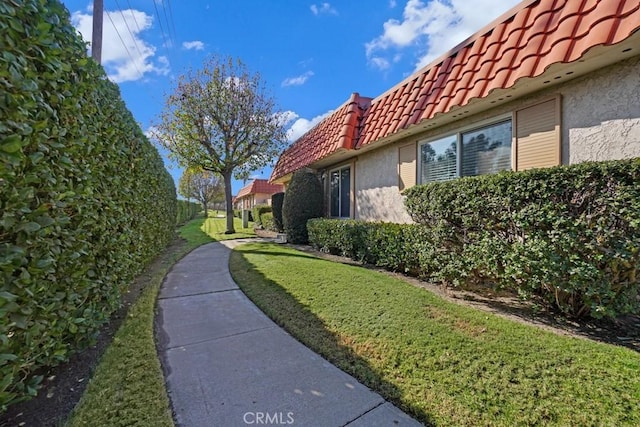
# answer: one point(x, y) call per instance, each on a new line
point(257, 192)
point(550, 82)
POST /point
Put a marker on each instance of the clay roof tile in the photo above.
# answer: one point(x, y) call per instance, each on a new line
point(338, 131)
point(259, 186)
point(522, 43)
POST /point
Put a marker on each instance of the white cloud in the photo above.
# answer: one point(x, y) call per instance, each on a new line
point(194, 45)
point(151, 132)
point(302, 126)
point(297, 81)
point(392, 3)
point(380, 62)
point(125, 55)
point(305, 62)
point(323, 8)
point(433, 27)
point(288, 116)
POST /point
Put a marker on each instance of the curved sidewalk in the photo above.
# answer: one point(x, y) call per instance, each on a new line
point(227, 364)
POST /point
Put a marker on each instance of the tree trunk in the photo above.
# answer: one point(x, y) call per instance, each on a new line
point(206, 209)
point(228, 197)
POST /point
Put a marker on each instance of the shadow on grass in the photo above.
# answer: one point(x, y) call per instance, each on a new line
point(623, 331)
point(280, 254)
point(285, 310)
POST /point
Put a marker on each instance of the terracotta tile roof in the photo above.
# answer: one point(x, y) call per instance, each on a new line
point(523, 43)
point(259, 186)
point(338, 131)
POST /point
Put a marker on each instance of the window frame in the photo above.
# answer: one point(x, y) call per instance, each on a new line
point(339, 169)
point(457, 133)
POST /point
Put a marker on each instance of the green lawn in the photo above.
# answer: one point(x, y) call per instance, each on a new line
point(128, 387)
point(444, 363)
point(213, 228)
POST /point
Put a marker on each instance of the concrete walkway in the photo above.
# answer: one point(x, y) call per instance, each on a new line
point(227, 364)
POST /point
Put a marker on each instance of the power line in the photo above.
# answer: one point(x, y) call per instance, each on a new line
point(134, 16)
point(175, 36)
point(133, 38)
point(166, 20)
point(164, 36)
point(123, 43)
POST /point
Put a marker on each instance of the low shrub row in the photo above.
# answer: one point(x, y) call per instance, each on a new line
point(267, 221)
point(257, 212)
point(569, 234)
point(186, 211)
point(396, 247)
point(85, 201)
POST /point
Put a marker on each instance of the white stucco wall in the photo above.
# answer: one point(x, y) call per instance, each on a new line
point(376, 187)
point(601, 114)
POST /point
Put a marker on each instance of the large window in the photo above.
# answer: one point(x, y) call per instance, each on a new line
point(341, 192)
point(479, 151)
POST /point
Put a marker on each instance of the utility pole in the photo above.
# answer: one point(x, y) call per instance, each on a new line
point(96, 35)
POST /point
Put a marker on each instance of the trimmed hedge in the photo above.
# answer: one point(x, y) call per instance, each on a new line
point(187, 211)
point(396, 247)
point(302, 201)
point(569, 234)
point(85, 200)
point(258, 211)
point(276, 205)
point(267, 221)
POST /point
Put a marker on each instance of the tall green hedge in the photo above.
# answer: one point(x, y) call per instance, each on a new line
point(85, 200)
point(570, 235)
point(187, 211)
point(277, 201)
point(302, 201)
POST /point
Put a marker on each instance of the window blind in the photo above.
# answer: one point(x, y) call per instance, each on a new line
point(439, 159)
point(487, 150)
point(407, 166)
point(538, 136)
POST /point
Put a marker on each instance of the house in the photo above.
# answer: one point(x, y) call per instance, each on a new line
point(257, 192)
point(550, 82)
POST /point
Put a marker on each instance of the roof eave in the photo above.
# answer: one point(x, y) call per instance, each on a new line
point(594, 59)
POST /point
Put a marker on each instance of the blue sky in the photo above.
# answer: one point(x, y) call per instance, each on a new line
point(312, 55)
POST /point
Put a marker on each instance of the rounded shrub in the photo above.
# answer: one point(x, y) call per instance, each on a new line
point(276, 208)
point(302, 202)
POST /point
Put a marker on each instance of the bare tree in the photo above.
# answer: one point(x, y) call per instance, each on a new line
point(221, 119)
point(203, 186)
